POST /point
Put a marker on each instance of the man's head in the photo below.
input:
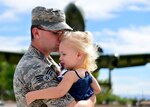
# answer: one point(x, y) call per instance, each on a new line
point(49, 19)
point(48, 25)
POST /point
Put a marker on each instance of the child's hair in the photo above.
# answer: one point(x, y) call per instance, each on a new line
point(83, 42)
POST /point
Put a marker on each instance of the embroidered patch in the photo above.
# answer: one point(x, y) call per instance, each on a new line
point(46, 77)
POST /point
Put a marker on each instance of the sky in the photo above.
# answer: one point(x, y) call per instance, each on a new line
point(118, 26)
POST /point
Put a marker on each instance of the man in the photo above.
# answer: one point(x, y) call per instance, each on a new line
point(36, 69)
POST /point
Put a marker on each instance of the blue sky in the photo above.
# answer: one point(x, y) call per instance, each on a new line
point(118, 26)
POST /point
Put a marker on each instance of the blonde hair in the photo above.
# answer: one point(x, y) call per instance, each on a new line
point(83, 42)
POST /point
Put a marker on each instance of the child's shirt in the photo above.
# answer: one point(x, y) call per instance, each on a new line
point(81, 90)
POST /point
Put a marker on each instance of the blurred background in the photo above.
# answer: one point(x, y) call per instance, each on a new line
point(121, 29)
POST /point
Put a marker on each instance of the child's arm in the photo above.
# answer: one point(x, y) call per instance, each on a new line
point(53, 92)
point(95, 85)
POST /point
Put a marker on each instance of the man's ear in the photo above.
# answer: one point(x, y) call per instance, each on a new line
point(35, 32)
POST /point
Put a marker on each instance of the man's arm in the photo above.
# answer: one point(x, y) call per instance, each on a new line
point(19, 91)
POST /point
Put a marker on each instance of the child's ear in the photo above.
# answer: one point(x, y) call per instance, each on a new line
point(80, 55)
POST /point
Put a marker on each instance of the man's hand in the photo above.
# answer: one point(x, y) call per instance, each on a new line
point(84, 103)
point(93, 99)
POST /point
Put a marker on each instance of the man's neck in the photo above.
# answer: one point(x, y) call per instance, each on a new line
point(46, 54)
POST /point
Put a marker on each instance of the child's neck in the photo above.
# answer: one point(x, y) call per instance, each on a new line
point(79, 67)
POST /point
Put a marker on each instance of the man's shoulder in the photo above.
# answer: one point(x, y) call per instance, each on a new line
point(29, 63)
point(29, 59)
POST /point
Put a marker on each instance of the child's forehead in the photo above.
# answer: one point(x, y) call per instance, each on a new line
point(67, 45)
point(66, 42)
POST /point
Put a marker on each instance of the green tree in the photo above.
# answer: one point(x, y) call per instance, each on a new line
point(6, 80)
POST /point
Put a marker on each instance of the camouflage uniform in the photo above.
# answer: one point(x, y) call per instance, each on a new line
point(33, 72)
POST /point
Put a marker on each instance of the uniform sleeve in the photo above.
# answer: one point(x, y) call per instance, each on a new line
point(22, 83)
point(19, 90)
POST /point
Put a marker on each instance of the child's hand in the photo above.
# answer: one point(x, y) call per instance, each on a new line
point(29, 98)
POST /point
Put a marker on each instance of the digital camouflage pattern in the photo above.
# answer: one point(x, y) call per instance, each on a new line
point(50, 19)
point(34, 72)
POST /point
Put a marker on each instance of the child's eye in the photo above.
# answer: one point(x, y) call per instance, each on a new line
point(63, 54)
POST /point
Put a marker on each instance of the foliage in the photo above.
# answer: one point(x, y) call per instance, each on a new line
point(6, 80)
point(115, 98)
